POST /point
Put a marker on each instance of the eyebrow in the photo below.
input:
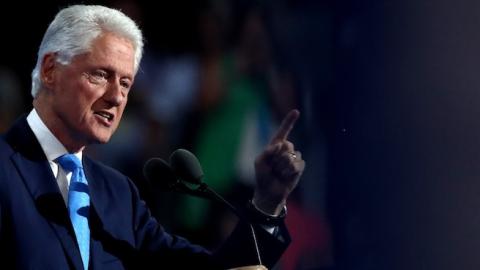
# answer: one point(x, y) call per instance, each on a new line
point(110, 70)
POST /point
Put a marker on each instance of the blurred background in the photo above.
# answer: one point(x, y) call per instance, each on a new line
point(389, 99)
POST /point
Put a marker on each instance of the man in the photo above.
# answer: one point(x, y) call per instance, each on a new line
point(61, 210)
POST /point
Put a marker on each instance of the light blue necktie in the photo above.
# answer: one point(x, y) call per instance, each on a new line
point(78, 203)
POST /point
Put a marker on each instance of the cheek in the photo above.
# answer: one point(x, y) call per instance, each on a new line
point(73, 108)
point(120, 111)
point(122, 107)
point(92, 97)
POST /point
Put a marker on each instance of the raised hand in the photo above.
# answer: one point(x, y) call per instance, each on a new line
point(278, 168)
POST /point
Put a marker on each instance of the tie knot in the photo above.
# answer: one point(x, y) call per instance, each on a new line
point(69, 162)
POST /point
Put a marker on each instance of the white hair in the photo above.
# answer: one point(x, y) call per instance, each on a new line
point(73, 30)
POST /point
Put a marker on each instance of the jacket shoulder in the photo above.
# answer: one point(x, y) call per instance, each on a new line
point(5, 149)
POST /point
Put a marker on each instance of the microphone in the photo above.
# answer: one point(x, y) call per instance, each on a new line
point(157, 168)
point(185, 167)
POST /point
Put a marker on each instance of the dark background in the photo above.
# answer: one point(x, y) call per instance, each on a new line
point(389, 95)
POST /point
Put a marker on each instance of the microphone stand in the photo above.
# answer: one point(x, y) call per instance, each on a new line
point(204, 188)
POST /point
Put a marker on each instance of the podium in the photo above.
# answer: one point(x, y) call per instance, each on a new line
point(250, 267)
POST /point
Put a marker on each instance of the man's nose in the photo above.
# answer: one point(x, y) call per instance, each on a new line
point(113, 95)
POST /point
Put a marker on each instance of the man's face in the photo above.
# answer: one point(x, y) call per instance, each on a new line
point(88, 96)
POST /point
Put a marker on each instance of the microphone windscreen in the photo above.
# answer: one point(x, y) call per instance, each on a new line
point(159, 173)
point(186, 166)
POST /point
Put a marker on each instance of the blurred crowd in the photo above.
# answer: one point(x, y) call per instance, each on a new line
point(213, 80)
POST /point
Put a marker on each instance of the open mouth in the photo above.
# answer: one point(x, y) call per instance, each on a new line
point(106, 115)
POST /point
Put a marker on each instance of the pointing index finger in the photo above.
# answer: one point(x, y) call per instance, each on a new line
point(286, 126)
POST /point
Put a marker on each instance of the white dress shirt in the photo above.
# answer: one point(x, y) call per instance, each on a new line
point(53, 149)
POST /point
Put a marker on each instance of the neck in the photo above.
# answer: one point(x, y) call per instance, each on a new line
point(72, 143)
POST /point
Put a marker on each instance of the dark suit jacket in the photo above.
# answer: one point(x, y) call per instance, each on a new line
point(36, 233)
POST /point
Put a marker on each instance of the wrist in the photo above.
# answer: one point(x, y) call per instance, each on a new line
point(268, 207)
point(271, 205)
point(260, 216)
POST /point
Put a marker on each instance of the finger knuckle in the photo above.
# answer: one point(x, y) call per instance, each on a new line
point(289, 145)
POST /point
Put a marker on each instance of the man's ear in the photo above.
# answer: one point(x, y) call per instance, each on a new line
point(47, 70)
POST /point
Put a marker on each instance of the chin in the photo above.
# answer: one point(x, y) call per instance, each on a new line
point(93, 141)
point(100, 134)
point(103, 141)
point(100, 138)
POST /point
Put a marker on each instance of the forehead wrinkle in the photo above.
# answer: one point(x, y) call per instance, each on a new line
point(122, 52)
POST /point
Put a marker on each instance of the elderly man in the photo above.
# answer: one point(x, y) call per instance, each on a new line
point(60, 209)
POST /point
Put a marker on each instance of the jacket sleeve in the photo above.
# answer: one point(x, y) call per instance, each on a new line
point(156, 247)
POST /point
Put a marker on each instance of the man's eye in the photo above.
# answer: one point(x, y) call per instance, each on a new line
point(97, 77)
point(101, 75)
point(125, 84)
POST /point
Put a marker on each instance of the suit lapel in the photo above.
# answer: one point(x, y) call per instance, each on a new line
point(96, 186)
point(35, 171)
point(97, 210)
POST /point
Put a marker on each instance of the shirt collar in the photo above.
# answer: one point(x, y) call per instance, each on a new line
point(51, 146)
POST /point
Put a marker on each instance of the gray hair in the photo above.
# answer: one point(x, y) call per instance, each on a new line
point(73, 30)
